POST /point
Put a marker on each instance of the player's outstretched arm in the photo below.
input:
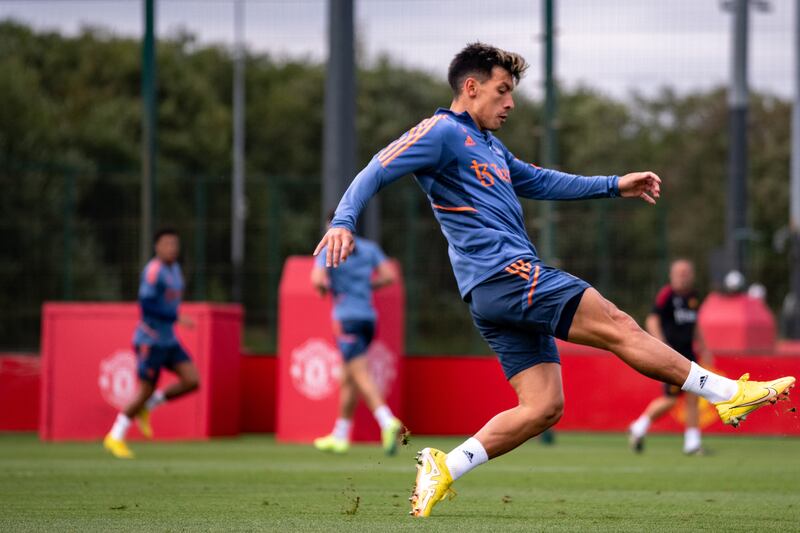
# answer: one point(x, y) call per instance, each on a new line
point(420, 147)
point(539, 183)
point(645, 185)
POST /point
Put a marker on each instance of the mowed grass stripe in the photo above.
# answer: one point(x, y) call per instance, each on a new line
point(583, 483)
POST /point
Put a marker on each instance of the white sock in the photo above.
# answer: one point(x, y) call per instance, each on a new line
point(120, 427)
point(466, 457)
point(709, 385)
point(640, 426)
point(341, 429)
point(691, 439)
point(383, 415)
point(155, 399)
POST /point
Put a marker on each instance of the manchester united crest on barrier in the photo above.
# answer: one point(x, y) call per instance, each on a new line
point(117, 378)
point(316, 368)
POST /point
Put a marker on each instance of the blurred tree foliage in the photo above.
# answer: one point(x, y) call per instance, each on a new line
point(70, 128)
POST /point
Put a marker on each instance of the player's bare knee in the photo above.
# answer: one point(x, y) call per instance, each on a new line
point(191, 383)
point(555, 411)
point(544, 415)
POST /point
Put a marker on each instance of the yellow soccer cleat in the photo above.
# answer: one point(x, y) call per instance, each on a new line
point(329, 443)
point(143, 421)
point(118, 448)
point(433, 482)
point(751, 396)
point(390, 436)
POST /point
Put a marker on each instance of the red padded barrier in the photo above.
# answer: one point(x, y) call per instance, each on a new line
point(88, 371)
point(258, 393)
point(736, 324)
point(309, 363)
point(601, 394)
point(19, 392)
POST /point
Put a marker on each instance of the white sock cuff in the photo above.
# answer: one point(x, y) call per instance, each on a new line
point(155, 399)
point(383, 415)
point(692, 382)
point(640, 426)
point(465, 457)
point(120, 427)
point(692, 432)
point(341, 428)
point(709, 385)
point(480, 452)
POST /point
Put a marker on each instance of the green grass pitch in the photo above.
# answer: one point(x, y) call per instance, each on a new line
point(582, 483)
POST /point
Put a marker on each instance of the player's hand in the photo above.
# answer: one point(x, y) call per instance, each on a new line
point(644, 185)
point(340, 244)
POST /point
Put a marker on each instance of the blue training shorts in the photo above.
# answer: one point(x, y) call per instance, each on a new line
point(153, 358)
point(353, 337)
point(521, 309)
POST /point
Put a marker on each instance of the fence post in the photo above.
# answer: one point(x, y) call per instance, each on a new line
point(409, 261)
point(200, 229)
point(273, 250)
point(69, 221)
point(604, 270)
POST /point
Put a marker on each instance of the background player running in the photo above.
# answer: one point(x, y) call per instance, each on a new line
point(354, 320)
point(673, 320)
point(154, 340)
point(518, 303)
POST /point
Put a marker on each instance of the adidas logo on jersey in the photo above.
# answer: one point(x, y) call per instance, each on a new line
point(469, 141)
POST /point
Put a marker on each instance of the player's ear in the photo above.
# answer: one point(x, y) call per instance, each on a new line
point(470, 87)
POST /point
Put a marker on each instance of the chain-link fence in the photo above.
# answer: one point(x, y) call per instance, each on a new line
point(80, 242)
point(641, 86)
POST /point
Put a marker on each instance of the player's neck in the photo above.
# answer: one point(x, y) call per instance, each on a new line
point(457, 106)
point(681, 292)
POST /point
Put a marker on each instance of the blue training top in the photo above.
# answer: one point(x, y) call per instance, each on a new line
point(160, 291)
point(472, 182)
point(351, 281)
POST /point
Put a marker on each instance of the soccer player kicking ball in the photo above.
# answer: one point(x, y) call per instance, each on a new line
point(354, 325)
point(160, 291)
point(517, 303)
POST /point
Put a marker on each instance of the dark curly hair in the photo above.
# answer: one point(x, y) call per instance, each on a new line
point(477, 60)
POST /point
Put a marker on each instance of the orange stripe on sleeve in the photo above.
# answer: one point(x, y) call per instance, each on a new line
point(463, 208)
point(397, 144)
point(413, 140)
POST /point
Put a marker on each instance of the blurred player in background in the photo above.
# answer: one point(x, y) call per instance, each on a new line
point(673, 321)
point(518, 303)
point(354, 320)
point(154, 340)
